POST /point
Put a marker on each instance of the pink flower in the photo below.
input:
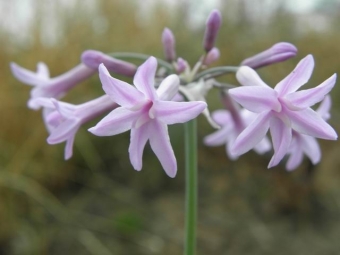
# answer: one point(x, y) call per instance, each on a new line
point(231, 128)
point(281, 109)
point(63, 120)
point(146, 112)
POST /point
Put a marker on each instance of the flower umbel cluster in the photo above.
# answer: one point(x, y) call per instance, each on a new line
point(170, 91)
point(282, 109)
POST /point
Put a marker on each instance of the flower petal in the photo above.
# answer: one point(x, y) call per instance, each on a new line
point(281, 138)
point(177, 112)
point(121, 92)
point(116, 122)
point(26, 76)
point(252, 134)
point(196, 92)
point(66, 110)
point(228, 147)
point(144, 79)
point(310, 123)
point(311, 148)
point(325, 107)
point(36, 103)
point(168, 88)
point(161, 146)
point(222, 117)
point(263, 146)
point(306, 98)
point(249, 77)
point(298, 77)
point(256, 98)
point(69, 147)
point(64, 131)
point(218, 138)
point(294, 159)
point(139, 137)
point(43, 71)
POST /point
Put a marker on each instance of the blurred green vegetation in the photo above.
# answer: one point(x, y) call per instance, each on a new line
point(97, 204)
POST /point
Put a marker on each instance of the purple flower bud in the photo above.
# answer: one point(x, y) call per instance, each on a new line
point(168, 41)
point(212, 26)
point(93, 59)
point(181, 65)
point(212, 56)
point(277, 53)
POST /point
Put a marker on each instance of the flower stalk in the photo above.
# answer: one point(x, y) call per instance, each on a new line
point(190, 187)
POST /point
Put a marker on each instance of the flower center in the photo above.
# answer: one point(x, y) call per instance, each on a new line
point(147, 113)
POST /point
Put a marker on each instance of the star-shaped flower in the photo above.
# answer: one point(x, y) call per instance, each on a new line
point(146, 112)
point(281, 109)
point(231, 127)
point(63, 120)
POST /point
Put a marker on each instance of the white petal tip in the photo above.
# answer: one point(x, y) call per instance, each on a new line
point(138, 169)
point(51, 141)
point(103, 70)
point(67, 157)
point(172, 174)
point(32, 104)
point(94, 131)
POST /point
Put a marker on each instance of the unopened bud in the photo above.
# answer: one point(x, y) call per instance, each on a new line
point(212, 56)
point(181, 65)
point(277, 53)
point(93, 59)
point(168, 41)
point(212, 26)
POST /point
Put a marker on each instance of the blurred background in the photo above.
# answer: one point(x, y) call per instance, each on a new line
point(95, 203)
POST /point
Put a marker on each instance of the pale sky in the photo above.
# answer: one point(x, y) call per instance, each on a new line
point(16, 16)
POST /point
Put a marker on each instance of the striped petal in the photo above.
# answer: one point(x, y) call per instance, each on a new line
point(306, 98)
point(139, 137)
point(144, 78)
point(161, 146)
point(177, 112)
point(120, 92)
point(252, 134)
point(116, 122)
point(256, 99)
point(310, 123)
point(64, 131)
point(300, 76)
point(281, 138)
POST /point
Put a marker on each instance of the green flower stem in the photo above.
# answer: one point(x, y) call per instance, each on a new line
point(131, 55)
point(191, 187)
point(217, 71)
